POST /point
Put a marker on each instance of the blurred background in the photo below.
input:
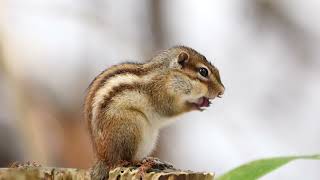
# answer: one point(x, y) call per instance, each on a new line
point(267, 52)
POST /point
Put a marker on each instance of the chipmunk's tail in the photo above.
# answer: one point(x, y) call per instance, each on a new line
point(100, 171)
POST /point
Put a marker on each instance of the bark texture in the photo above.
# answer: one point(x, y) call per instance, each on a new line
point(121, 173)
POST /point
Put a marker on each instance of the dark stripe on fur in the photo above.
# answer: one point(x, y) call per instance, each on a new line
point(135, 69)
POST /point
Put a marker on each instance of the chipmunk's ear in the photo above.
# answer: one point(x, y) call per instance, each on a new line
point(183, 58)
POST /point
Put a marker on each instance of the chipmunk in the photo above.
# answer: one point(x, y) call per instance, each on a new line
point(127, 104)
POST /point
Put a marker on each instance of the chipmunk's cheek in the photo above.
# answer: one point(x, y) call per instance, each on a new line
point(200, 99)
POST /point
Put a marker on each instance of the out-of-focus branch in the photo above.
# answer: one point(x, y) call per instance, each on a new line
point(156, 22)
point(27, 129)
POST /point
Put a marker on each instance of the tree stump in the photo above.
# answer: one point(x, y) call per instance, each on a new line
point(120, 173)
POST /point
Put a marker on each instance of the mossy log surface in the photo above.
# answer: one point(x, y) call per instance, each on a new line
point(120, 173)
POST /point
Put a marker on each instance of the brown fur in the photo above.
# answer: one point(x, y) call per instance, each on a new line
point(174, 75)
point(119, 142)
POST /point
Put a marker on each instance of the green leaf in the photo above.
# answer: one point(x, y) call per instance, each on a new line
point(258, 168)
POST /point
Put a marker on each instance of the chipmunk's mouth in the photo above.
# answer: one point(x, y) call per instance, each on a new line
point(201, 103)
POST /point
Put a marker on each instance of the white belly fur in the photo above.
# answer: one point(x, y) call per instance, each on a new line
point(148, 141)
point(150, 125)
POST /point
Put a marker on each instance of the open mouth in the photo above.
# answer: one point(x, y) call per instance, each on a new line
point(201, 103)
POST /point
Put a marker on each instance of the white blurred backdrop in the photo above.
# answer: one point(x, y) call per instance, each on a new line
point(267, 52)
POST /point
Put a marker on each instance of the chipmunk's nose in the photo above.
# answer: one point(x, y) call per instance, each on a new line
point(221, 91)
point(216, 92)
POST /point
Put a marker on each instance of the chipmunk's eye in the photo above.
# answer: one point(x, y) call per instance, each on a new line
point(203, 72)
